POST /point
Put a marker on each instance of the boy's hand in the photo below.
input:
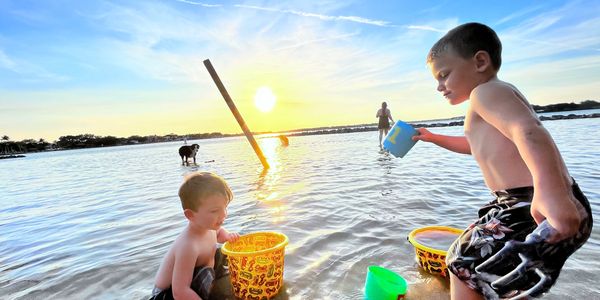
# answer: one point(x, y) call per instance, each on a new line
point(423, 135)
point(539, 259)
point(233, 236)
point(564, 215)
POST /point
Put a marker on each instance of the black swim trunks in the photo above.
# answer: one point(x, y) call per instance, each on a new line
point(508, 219)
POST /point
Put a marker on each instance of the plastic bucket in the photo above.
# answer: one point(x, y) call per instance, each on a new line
point(383, 284)
point(399, 140)
point(432, 259)
point(256, 264)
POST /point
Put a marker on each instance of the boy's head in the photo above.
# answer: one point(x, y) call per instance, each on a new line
point(464, 58)
point(384, 104)
point(199, 186)
point(466, 40)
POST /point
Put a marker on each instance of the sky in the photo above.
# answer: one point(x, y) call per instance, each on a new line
point(130, 67)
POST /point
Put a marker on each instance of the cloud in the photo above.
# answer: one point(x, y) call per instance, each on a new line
point(567, 28)
point(28, 72)
point(6, 62)
point(320, 16)
point(199, 3)
point(308, 42)
point(424, 27)
point(517, 14)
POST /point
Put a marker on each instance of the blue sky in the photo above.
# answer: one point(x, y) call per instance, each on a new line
point(135, 67)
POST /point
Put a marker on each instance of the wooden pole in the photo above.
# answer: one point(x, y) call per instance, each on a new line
point(236, 113)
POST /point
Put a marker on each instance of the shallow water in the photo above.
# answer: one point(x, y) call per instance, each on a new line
point(95, 223)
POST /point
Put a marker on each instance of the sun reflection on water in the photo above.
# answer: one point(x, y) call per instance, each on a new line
point(269, 188)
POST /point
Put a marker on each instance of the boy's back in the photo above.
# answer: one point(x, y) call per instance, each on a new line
point(201, 248)
point(497, 104)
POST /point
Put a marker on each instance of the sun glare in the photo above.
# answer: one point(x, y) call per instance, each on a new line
point(264, 99)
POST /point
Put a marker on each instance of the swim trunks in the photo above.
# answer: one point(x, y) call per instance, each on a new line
point(508, 219)
point(202, 280)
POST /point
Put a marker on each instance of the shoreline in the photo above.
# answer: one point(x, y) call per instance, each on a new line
point(373, 127)
point(316, 131)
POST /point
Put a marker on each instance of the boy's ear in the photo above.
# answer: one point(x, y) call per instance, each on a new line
point(188, 213)
point(482, 60)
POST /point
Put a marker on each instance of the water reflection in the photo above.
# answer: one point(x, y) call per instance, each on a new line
point(385, 161)
point(268, 186)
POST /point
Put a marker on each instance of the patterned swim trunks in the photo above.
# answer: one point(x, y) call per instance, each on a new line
point(505, 219)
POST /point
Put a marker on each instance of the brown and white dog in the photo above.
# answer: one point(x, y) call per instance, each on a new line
point(187, 152)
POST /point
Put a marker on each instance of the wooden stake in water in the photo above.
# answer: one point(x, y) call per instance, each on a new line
point(236, 113)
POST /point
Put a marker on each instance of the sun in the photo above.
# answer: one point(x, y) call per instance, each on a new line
point(264, 99)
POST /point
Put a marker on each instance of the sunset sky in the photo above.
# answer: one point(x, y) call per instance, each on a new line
point(135, 67)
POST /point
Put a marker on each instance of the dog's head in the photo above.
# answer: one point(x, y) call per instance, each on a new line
point(194, 148)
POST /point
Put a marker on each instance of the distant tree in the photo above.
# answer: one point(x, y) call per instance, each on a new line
point(5, 138)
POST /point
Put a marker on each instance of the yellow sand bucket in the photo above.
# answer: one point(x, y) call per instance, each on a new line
point(256, 264)
point(431, 255)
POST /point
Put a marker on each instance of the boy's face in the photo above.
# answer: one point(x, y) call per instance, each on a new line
point(211, 213)
point(456, 76)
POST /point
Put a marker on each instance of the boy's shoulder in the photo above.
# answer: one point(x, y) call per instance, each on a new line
point(494, 90)
point(492, 86)
point(187, 241)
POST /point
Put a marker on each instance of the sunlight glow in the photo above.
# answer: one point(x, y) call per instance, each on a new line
point(264, 99)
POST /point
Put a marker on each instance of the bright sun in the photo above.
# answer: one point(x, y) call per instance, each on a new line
point(264, 99)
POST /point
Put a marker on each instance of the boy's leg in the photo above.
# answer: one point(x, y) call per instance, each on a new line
point(460, 291)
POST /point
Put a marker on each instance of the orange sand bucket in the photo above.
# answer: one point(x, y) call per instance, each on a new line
point(256, 264)
point(431, 246)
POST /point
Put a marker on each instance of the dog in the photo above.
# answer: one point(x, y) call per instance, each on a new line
point(188, 152)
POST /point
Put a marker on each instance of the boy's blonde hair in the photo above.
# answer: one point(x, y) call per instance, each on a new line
point(199, 185)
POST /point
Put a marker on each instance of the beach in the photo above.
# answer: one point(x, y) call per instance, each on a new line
point(95, 223)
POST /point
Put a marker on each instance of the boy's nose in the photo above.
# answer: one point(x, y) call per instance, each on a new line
point(441, 87)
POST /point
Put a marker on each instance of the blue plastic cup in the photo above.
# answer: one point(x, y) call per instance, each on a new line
point(383, 284)
point(399, 140)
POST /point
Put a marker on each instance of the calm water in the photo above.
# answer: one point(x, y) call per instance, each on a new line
point(95, 223)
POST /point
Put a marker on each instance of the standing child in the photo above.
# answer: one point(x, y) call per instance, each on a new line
point(187, 271)
point(520, 164)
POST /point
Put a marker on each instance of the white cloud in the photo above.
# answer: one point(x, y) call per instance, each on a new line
point(552, 33)
point(425, 27)
point(199, 3)
point(6, 62)
point(27, 71)
point(355, 19)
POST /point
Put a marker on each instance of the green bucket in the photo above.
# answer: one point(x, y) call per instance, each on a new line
point(383, 284)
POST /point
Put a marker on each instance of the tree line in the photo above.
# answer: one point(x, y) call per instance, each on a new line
point(90, 141)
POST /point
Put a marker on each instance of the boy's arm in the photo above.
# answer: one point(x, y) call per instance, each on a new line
point(458, 144)
point(183, 269)
point(390, 116)
point(553, 199)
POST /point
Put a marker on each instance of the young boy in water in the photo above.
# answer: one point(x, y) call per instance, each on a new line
point(187, 271)
point(520, 164)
